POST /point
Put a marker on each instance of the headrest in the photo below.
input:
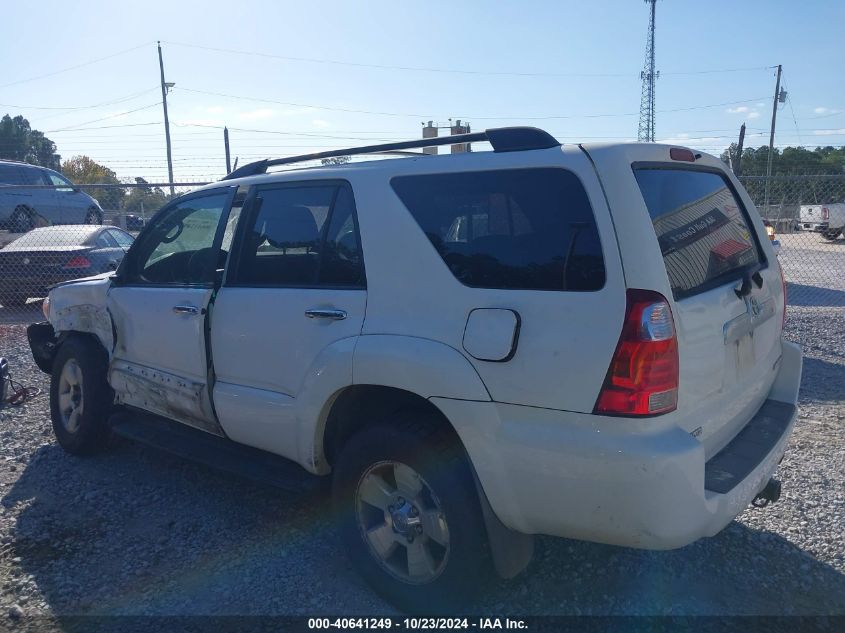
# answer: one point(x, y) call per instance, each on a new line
point(291, 226)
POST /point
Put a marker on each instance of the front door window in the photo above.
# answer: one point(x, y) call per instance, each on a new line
point(178, 247)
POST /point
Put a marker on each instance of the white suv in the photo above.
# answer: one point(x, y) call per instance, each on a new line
point(581, 341)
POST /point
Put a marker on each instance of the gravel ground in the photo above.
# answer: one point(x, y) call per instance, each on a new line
point(134, 531)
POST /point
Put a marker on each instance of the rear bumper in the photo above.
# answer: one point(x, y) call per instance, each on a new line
point(814, 226)
point(621, 482)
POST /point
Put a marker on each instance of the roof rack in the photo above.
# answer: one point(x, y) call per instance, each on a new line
point(503, 139)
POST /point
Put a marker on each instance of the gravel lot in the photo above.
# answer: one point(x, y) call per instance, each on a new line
point(134, 531)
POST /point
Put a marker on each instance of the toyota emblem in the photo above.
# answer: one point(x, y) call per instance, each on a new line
point(26, 260)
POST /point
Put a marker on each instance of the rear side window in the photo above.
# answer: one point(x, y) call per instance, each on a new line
point(301, 236)
point(702, 229)
point(529, 229)
point(17, 175)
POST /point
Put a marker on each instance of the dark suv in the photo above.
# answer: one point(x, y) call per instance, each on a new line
point(22, 209)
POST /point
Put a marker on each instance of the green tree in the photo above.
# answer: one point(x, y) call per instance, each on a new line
point(18, 141)
point(144, 201)
point(84, 171)
point(799, 175)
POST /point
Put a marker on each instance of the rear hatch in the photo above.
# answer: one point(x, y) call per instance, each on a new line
point(813, 214)
point(688, 230)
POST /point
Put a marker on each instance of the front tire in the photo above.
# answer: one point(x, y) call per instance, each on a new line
point(93, 216)
point(831, 235)
point(80, 397)
point(409, 516)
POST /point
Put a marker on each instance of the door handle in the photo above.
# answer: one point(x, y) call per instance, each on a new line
point(186, 310)
point(335, 315)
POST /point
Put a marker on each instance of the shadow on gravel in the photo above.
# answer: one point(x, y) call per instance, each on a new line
point(738, 572)
point(814, 296)
point(25, 314)
point(822, 380)
point(137, 532)
point(134, 531)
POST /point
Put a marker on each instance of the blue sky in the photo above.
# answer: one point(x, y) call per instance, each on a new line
point(571, 68)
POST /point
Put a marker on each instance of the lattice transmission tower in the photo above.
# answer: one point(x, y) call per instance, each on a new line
point(649, 76)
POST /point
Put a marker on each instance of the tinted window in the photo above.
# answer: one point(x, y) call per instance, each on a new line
point(513, 229)
point(18, 175)
point(105, 240)
point(702, 229)
point(341, 263)
point(178, 247)
point(124, 240)
point(301, 236)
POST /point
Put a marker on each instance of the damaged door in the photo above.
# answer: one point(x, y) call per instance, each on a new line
point(159, 305)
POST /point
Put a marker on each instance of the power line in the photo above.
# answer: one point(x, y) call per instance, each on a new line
point(428, 69)
point(85, 107)
point(106, 127)
point(105, 118)
point(794, 120)
point(69, 68)
point(463, 116)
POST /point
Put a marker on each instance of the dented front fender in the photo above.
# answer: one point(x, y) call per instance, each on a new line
point(81, 306)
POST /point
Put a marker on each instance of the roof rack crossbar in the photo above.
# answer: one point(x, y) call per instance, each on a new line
point(505, 139)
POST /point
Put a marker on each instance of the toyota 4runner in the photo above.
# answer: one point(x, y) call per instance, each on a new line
point(582, 341)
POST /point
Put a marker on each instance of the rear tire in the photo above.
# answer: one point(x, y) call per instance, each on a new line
point(22, 220)
point(12, 301)
point(831, 235)
point(409, 516)
point(80, 397)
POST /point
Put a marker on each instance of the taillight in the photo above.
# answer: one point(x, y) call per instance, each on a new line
point(825, 213)
point(78, 262)
point(643, 375)
point(783, 285)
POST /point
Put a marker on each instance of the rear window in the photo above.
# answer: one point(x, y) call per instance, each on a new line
point(529, 229)
point(702, 229)
point(58, 236)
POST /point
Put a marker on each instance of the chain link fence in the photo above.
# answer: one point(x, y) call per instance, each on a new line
point(807, 216)
point(52, 233)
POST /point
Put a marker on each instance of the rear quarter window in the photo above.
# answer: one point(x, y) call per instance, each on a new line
point(529, 229)
point(704, 232)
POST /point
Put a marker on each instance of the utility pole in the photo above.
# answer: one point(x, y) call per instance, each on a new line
point(226, 143)
point(164, 87)
point(778, 98)
point(737, 167)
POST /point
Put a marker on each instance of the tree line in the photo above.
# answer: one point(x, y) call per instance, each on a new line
point(824, 168)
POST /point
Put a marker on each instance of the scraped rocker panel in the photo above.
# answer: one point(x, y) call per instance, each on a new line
point(163, 393)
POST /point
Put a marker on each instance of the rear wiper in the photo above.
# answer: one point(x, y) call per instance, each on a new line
point(752, 274)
